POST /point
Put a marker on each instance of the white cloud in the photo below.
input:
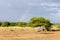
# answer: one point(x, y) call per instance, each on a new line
point(57, 14)
point(49, 4)
point(52, 9)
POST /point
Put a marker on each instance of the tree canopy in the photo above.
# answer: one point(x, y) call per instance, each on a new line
point(40, 21)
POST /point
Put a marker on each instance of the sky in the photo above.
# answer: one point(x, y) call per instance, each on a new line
point(24, 10)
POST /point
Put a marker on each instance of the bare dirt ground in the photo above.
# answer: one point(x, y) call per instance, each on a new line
point(16, 33)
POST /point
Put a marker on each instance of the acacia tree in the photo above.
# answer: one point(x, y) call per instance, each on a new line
point(40, 21)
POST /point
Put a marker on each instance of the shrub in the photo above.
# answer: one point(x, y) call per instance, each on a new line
point(5, 24)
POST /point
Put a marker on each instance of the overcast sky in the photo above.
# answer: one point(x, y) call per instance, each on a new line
point(23, 10)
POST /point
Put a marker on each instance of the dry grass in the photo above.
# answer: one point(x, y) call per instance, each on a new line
point(19, 33)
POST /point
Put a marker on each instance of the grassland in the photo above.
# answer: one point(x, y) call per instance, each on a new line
point(26, 33)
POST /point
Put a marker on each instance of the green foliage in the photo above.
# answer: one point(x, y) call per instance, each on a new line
point(55, 27)
point(12, 24)
point(0, 23)
point(40, 21)
point(22, 24)
point(5, 24)
point(59, 26)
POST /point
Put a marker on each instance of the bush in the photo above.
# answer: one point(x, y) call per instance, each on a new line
point(22, 24)
point(12, 24)
point(5, 24)
point(0, 23)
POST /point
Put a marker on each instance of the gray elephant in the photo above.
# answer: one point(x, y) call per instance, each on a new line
point(40, 28)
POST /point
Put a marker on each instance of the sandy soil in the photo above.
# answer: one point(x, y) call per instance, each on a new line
point(26, 34)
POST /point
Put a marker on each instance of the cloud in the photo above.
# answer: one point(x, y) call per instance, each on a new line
point(56, 14)
point(49, 4)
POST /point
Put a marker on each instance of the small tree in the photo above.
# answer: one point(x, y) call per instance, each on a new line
point(40, 21)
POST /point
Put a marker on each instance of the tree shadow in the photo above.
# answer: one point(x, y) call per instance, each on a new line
point(47, 33)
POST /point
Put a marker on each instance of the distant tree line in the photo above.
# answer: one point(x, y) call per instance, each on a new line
point(7, 24)
point(32, 23)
